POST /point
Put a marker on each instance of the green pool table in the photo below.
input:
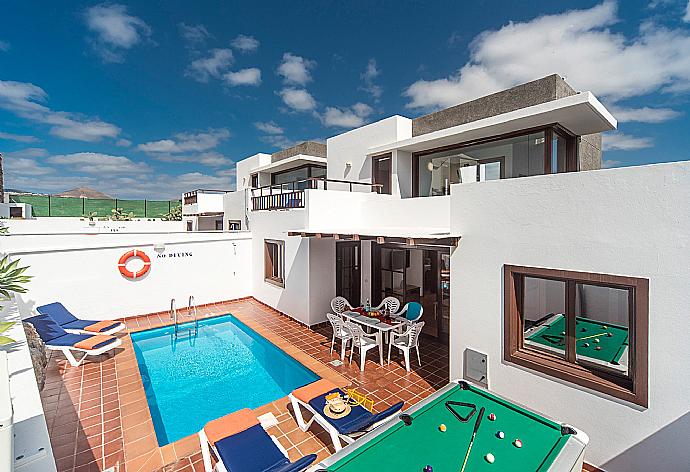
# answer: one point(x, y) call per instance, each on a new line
point(397, 446)
point(600, 343)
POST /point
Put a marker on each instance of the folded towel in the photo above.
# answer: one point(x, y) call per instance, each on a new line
point(90, 343)
point(310, 391)
point(230, 425)
point(100, 326)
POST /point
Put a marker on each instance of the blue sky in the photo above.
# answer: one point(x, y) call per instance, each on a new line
point(149, 99)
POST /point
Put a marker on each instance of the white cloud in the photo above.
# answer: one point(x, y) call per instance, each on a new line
point(25, 166)
point(187, 142)
point(115, 30)
point(29, 153)
point(279, 141)
point(686, 17)
point(251, 76)
point(269, 127)
point(20, 138)
point(368, 77)
point(622, 142)
point(297, 99)
point(644, 114)
point(245, 44)
point(577, 44)
point(25, 100)
point(211, 66)
point(351, 117)
point(4, 46)
point(211, 158)
point(609, 163)
point(123, 142)
point(97, 163)
point(193, 34)
point(295, 70)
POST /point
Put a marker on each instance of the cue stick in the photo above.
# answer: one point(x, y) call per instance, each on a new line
point(592, 336)
point(474, 435)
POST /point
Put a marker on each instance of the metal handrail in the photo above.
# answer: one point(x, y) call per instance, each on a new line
point(312, 183)
point(173, 315)
point(192, 310)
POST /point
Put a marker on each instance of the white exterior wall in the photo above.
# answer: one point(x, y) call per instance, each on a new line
point(57, 225)
point(353, 146)
point(81, 271)
point(246, 166)
point(628, 221)
point(235, 207)
point(345, 211)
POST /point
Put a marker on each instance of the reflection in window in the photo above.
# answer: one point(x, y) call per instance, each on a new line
point(520, 156)
point(602, 317)
point(297, 178)
point(543, 309)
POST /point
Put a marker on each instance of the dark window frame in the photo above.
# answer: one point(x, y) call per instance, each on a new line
point(548, 130)
point(310, 167)
point(254, 180)
point(633, 387)
point(375, 170)
point(233, 223)
point(269, 263)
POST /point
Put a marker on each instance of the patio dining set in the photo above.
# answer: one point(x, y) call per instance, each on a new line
point(369, 328)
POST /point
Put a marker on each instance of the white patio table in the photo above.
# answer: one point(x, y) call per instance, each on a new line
point(381, 327)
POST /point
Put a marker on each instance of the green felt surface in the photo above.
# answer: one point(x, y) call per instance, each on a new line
point(612, 347)
point(411, 448)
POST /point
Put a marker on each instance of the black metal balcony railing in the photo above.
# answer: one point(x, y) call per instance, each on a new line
point(291, 194)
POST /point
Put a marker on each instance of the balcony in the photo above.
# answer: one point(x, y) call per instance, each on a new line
point(290, 195)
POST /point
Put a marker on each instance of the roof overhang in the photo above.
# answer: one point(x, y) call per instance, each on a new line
point(289, 163)
point(207, 213)
point(580, 114)
point(408, 237)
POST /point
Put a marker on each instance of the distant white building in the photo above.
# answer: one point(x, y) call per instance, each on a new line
point(202, 210)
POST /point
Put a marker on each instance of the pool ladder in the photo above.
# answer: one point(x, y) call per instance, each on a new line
point(192, 311)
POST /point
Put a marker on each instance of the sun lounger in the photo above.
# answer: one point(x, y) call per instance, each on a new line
point(72, 324)
point(57, 339)
point(240, 444)
point(312, 397)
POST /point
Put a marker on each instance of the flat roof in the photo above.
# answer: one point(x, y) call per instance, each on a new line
point(289, 163)
point(580, 114)
point(400, 235)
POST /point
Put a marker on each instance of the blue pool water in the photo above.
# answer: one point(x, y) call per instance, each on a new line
point(225, 368)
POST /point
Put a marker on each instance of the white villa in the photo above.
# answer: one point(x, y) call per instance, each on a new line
point(493, 215)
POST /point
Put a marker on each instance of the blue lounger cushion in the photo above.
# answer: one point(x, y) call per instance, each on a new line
point(52, 333)
point(359, 418)
point(67, 320)
point(253, 450)
point(82, 324)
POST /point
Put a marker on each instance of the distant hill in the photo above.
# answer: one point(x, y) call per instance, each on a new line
point(83, 192)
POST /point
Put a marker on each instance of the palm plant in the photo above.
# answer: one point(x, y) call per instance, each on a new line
point(12, 278)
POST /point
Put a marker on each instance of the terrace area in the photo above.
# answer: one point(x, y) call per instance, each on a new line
point(98, 416)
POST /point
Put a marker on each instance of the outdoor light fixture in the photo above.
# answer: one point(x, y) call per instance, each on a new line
point(159, 247)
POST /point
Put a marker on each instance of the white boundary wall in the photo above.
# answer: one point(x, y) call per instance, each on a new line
point(628, 221)
point(58, 224)
point(81, 271)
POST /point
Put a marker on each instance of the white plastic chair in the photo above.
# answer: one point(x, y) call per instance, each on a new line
point(391, 303)
point(340, 305)
point(405, 342)
point(340, 331)
point(361, 341)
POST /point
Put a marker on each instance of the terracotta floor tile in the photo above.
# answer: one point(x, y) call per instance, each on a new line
point(98, 415)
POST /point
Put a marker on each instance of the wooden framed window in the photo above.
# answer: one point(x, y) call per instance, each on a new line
point(382, 172)
point(585, 328)
point(274, 262)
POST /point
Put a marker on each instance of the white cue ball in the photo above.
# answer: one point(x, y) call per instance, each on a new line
point(490, 458)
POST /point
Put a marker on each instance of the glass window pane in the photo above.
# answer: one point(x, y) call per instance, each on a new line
point(543, 310)
point(558, 153)
point(603, 315)
point(383, 169)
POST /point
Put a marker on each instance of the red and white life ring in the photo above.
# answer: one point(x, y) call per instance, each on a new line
point(122, 264)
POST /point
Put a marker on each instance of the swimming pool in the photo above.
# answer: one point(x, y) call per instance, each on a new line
point(226, 367)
